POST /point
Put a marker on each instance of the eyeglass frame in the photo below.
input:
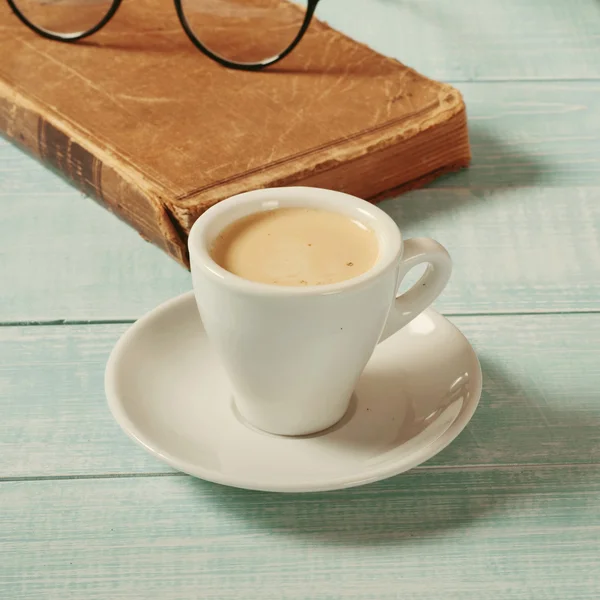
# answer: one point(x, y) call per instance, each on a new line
point(311, 6)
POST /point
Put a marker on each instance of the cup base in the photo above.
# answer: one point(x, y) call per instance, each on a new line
point(345, 418)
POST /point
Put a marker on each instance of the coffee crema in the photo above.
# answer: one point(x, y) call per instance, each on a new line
point(296, 247)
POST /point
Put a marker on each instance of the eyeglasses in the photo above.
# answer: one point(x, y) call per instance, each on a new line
point(240, 34)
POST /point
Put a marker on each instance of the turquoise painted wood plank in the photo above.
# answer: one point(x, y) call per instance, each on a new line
point(531, 134)
point(512, 534)
point(541, 400)
point(519, 249)
point(522, 249)
point(477, 40)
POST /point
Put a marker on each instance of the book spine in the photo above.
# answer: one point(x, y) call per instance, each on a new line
point(92, 169)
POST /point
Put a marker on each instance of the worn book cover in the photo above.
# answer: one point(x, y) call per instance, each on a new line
point(157, 132)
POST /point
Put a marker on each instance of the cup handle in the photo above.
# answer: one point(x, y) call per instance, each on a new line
point(415, 300)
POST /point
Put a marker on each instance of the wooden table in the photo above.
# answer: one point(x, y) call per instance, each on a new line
point(511, 510)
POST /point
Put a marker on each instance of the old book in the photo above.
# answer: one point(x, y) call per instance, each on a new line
point(142, 121)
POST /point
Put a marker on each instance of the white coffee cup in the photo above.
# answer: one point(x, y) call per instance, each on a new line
point(294, 354)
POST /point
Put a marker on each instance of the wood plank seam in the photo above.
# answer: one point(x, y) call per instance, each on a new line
point(421, 469)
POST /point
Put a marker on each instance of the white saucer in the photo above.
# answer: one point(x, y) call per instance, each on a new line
point(167, 390)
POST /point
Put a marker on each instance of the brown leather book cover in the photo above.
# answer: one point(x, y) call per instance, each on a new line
point(157, 132)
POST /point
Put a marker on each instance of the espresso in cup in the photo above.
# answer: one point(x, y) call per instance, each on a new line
point(296, 246)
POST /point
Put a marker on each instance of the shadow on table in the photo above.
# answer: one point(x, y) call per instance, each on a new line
point(496, 163)
point(480, 480)
point(497, 166)
point(527, 420)
point(177, 46)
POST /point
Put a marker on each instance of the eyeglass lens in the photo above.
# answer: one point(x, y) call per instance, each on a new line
point(68, 18)
point(245, 31)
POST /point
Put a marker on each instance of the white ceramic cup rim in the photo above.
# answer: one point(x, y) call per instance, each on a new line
point(218, 217)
